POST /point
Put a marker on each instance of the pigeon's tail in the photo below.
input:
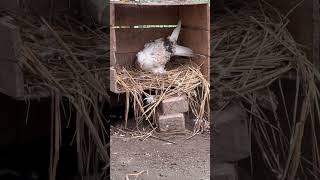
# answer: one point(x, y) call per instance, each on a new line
point(175, 34)
point(183, 51)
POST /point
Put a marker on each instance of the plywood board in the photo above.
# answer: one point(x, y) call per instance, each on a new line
point(133, 39)
point(197, 40)
point(195, 17)
point(123, 59)
point(131, 15)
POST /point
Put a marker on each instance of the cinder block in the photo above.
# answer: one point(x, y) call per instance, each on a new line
point(175, 105)
point(225, 171)
point(11, 77)
point(172, 122)
point(231, 140)
point(96, 9)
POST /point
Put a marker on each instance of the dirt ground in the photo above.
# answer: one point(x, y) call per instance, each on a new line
point(156, 159)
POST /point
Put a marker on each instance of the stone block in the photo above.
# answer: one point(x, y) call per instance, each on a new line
point(172, 122)
point(11, 77)
point(175, 105)
point(231, 140)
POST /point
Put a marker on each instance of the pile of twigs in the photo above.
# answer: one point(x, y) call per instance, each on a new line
point(252, 52)
point(181, 78)
point(67, 59)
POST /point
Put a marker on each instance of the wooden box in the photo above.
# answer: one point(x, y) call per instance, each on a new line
point(126, 39)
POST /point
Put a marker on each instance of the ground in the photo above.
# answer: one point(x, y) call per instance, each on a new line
point(157, 159)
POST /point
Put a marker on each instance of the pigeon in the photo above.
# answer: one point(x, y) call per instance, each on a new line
point(157, 54)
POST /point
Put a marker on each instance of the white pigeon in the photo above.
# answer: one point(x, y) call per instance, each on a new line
point(156, 54)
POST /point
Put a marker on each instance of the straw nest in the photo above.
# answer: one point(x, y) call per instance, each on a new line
point(67, 60)
point(253, 56)
point(147, 90)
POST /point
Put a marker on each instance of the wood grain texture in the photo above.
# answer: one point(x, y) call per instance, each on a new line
point(131, 15)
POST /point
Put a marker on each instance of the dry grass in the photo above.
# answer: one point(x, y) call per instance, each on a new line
point(66, 59)
point(253, 53)
point(182, 77)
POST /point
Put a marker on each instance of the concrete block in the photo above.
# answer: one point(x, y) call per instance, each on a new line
point(231, 140)
point(172, 122)
point(225, 171)
point(11, 77)
point(175, 105)
point(97, 10)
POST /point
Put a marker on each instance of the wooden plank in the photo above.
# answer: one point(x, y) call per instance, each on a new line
point(123, 59)
point(197, 40)
point(204, 63)
point(113, 39)
point(130, 15)
point(196, 17)
point(112, 15)
point(113, 82)
point(159, 3)
point(130, 40)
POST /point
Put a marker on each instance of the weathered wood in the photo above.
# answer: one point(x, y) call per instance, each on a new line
point(113, 83)
point(197, 40)
point(195, 17)
point(131, 15)
point(126, 42)
point(130, 40)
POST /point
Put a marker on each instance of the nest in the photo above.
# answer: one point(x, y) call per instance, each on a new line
point(66, 59)
point(253, 56)
point(182, 77)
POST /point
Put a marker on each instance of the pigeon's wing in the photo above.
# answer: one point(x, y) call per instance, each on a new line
point(161, 56)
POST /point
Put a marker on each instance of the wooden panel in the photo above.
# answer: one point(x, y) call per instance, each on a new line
point(113, 83)
point(130, 14)
point(197, 40)
point(204, 62)
point(123, 59)
point(112, 15)
point(112, 39)
point(197, 16)
point(133, 40)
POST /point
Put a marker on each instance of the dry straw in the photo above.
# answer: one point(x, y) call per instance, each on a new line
point(253, 59)
point(183, 77)
point(67, 60)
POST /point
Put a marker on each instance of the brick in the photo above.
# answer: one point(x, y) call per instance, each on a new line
point(175, 105)
point(225, 171)
point(172, 122)
point(231, 135)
